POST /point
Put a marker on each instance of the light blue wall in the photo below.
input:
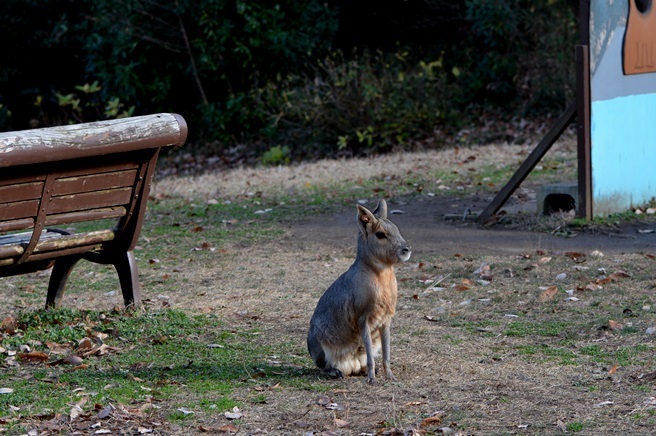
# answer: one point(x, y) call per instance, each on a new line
point(623, 121)
point(623, 154)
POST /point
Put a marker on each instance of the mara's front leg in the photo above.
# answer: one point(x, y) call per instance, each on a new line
point(385, 339)
point(366, 339)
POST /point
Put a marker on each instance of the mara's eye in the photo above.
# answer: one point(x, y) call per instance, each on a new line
point(381, 235)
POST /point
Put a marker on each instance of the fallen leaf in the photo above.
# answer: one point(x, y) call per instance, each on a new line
point(614, 325)
point(431, 420)
point(9, 325)
point(576, 256)
point(105, 412)
point(340, 423)
point(603, 281)
point(234, 414)
point(33, 356)
point(548, 294)
point(74, 413)
point(58, 348)
point(73, 360)
point(618, 275)
point(604, 403)
point(613, 370)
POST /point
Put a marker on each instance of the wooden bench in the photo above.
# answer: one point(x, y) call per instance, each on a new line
point(85, 173)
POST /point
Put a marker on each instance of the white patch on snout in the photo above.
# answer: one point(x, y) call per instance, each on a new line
point(405, 256)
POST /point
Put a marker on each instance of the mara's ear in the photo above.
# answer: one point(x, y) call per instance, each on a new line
point(365, 217)
point(381, 209)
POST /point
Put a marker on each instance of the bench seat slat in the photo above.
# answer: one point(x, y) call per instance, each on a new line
point(19, 224)
point(14, 245)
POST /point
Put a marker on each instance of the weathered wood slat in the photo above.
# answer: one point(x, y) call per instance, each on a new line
point(14, 245)
point(91, 139)
point(93, 182)
point(85, 215)
point(10, 177)
point(20, 209)
point(108, 164)
point(19, 224)
point(90, 200)
point(78, 239)
point(24, 191)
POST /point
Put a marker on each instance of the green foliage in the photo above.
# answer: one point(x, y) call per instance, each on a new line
point(368, 102)
point(262, 72)
point(521, 53)
point(80, 107)
point(276, 155)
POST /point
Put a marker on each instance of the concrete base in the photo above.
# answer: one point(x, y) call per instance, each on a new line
point(558, 197)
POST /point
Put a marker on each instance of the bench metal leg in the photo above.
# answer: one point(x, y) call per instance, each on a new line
point(58, 278)
point(126, 267)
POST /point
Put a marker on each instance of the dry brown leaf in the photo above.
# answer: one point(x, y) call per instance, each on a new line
point(576, 256)
point(614, 325)
point(548, 294)
point(9, 325)
point(618, 275)
point(431, 420)
point(613, 370)
point(73, 360)
point(85, 344)
point(33, 356)
point(58, 348)
point(603, 281)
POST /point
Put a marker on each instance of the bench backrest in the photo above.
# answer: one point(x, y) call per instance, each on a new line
point(87, 172)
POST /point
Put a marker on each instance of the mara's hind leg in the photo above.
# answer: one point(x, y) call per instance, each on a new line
point(319, 356)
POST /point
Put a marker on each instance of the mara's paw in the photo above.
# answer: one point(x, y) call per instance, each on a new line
point(333, 373)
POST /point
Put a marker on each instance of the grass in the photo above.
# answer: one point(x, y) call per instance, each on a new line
point(168, 356)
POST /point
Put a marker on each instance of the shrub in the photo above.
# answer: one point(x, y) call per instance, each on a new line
point(370, 102)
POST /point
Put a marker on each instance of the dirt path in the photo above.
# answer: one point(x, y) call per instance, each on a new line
point(422, 223)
